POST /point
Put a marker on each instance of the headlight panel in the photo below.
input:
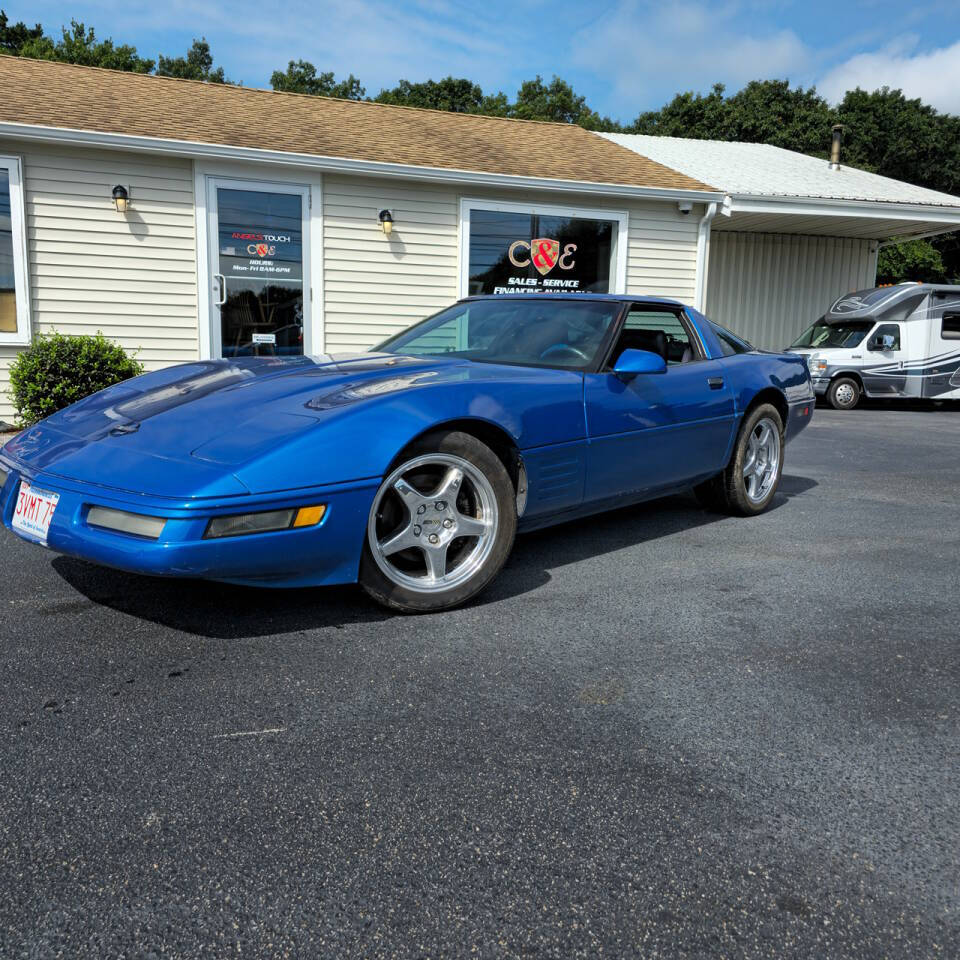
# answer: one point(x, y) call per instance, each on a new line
point(136, 524)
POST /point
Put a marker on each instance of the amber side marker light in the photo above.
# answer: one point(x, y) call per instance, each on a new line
point(267, 521)
point(309, 516)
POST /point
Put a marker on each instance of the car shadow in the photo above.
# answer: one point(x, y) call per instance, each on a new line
point(225, 611)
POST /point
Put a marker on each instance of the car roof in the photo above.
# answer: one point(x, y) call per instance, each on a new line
point(611, 297)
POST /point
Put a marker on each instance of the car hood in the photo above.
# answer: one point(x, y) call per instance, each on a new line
point(184, 431)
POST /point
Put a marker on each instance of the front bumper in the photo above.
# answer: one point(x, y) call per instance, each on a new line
point(799, 414)
point(820, 385)
point(328, 553)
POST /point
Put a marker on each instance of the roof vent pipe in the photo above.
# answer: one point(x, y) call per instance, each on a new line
point(835, 147)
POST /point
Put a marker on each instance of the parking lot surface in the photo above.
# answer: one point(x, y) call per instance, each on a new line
point(662, 733)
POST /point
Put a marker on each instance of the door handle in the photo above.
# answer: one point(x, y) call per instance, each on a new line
point(222, 281)
point(715, 383)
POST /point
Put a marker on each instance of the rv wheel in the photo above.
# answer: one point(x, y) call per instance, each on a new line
point(844, 393)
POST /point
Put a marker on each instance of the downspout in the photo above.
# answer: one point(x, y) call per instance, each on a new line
point(703, 255)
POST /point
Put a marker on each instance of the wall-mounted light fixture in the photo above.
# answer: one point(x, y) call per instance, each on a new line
point(121, 199)
point(386, 221)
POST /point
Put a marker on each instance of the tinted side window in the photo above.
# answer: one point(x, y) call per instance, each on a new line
point(730, 343)
point(950, 326)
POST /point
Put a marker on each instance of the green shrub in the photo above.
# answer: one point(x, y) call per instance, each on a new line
point(57, 370)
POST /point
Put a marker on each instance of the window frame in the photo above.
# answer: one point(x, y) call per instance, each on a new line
point(18, 234)
point(618, 258)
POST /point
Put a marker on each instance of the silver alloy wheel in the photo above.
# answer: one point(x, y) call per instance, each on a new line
point(845, 394)
point(762, 461)
point(433, 523)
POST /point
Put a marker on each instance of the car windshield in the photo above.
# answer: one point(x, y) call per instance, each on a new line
point(537, 332)
point(823, 334)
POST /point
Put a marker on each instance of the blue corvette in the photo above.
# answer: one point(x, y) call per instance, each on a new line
point(410, 468)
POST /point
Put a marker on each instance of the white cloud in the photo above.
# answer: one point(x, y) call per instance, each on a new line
point(932, 75)
point(644, 48)
point(380, 41)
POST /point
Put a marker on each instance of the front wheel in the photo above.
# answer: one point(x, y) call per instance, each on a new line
point(843, 393)
point(748, 484)
point(441, 526)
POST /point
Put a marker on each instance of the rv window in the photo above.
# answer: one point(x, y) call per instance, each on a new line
point(950, 327)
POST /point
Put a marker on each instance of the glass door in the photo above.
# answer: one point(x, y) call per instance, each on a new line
point(259, 256)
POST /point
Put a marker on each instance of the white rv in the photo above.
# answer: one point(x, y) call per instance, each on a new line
point(898, 341)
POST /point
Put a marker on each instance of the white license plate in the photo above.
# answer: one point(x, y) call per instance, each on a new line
point(34, 511)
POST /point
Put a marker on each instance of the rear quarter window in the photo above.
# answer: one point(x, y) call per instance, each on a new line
point(730, 343)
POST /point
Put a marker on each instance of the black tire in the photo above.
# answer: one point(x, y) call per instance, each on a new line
point(400, 597)
point(843, 393)
point(727, 492)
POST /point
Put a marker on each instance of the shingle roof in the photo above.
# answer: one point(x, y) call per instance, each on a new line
point(86, 98)
point(758, 169)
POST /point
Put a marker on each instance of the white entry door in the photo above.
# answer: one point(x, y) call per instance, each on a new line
point(259, 257)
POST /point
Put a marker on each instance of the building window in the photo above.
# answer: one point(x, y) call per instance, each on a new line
point(14, 303)
point(517, 248)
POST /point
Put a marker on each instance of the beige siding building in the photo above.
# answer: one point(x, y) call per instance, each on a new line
point(188, 220)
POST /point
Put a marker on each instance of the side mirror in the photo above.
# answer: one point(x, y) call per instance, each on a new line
point(881, 342)
point(633, 362)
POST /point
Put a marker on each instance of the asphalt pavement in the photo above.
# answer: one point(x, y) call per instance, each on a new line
point(662, 733)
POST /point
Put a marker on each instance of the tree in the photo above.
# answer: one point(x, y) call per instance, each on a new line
point(764, 111)
point(770, 111)
point(693, 115)
point(555, 101)
point(906, 139)
point(12, 38)
point(558, 103)
point(911, 260)
point(196, 65)
point(80, 45)
point(301, 77)
point(453, 94)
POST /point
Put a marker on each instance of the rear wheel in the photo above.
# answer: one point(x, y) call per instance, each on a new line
point(441, 526)
point(748, 484)
point(843, 393)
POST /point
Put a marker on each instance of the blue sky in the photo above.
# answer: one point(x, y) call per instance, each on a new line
point(624, 55)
